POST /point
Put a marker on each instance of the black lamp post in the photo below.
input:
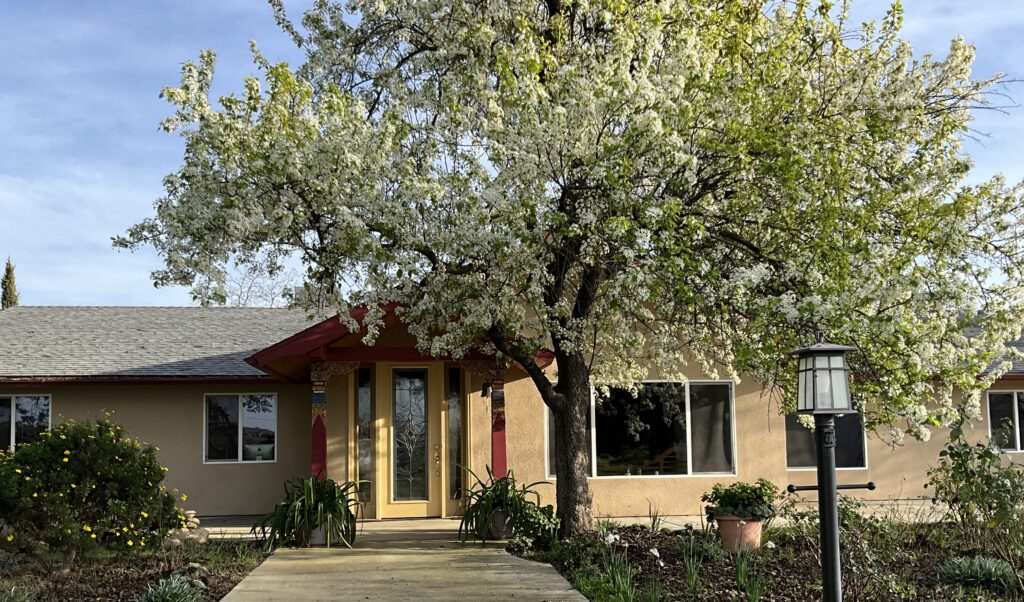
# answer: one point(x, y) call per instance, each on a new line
point(823, 385)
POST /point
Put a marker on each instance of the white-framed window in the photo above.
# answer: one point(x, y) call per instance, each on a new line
point(1005, 412)
point(240, 427)
point(665, 429)
point(851, 444)
point(23, 418)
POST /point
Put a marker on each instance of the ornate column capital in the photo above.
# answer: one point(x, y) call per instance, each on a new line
point(322, 371)
point(486, 368)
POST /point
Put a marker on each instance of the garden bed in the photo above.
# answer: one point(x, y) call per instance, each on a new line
point(882, 560)
point(219, 564)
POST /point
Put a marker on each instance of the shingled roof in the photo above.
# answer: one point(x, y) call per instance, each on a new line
point(72, 343)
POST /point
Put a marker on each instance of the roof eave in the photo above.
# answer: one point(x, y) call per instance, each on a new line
point(96, 379)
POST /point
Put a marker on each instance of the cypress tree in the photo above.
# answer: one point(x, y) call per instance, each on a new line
point(9, 294)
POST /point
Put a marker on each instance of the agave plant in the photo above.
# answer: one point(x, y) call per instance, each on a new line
point(504, 497)
point(309, 504)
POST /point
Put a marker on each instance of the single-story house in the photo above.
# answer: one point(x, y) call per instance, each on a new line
point(240, 399)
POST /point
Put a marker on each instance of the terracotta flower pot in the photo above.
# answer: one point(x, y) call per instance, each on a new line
point(739, 533)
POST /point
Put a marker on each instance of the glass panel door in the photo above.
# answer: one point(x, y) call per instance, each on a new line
point(409, 432)
point(455, 461)
point(364, 434)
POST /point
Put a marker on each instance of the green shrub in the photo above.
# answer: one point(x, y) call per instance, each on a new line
point(311, 503)
point(83, 486)
point(17, 595)
point(529, 520)
point(579, 553)
point(975, 484)
point(607, 526)
point(978, 571)
point(176, 588)
point(749, 501)
point(871, 546)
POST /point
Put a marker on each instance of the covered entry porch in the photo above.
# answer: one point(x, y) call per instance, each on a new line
point(402, 425)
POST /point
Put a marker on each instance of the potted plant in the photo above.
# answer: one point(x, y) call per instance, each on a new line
point(313, 512)
point(502, 508)
point(739, 510)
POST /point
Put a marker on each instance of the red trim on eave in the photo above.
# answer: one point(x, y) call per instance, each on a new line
point(313, 341)
point(316, 336)
point(387, 354)
point(13, 381)
point(1011, 377)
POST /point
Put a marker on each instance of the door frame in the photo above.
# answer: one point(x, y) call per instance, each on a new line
point(439, 502)
point(387, 506)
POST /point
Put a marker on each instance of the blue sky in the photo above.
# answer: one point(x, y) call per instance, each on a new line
point(81, 156)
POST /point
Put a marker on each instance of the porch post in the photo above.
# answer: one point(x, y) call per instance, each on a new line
point(499, 450)
point(493, 380)
point(319, 374)
point(318, 455)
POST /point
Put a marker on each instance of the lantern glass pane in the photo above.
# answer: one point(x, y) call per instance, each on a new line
point(836, 361)
point(823, 390)
point(801, 391)
point(840, 390)
point(809, 388)
point(821, 361)
point(805, 363)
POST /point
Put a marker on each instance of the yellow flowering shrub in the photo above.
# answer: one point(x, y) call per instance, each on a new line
point(86, 486)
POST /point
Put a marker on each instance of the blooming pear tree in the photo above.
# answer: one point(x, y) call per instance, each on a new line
point(632, 185)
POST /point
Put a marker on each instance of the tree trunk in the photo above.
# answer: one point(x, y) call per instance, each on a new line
point(572, 450)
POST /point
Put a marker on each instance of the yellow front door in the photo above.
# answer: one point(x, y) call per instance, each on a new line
point(410, 442)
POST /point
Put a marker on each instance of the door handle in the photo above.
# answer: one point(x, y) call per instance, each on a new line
point(437, 460)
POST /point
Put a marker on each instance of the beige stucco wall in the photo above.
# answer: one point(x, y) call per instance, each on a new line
point(171, 417)
point(899, 472)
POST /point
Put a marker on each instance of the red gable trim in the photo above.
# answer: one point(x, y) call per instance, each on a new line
point(314, 341)
point(316, 336)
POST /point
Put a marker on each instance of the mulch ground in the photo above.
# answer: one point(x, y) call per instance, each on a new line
point(218, 564)
point(790, 568)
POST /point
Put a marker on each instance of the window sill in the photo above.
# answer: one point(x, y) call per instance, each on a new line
point(666, 476)
point(814, 469)
point(234, 462)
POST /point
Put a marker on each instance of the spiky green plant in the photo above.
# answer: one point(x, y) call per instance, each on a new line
point(310, 503)
point(520, 503)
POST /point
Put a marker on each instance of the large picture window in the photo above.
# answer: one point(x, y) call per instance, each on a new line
point(23, 418)
point(665, 429)
point(1005, 413)
point(241, 427)
point(801, 451)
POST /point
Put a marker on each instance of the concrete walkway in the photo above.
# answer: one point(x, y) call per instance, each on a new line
point(403, 560)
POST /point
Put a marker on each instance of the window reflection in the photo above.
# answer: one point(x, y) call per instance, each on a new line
point(409, 426)
point(364, 433)
point(23, 419)
point(241, 423)
point(259, 428)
